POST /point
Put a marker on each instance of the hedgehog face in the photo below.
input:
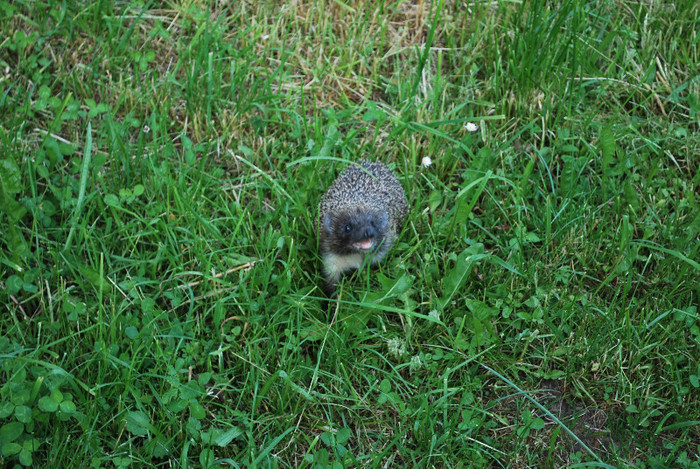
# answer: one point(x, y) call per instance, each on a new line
point(356, 230)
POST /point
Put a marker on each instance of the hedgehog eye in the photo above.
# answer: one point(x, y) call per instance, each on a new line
point(348, 227)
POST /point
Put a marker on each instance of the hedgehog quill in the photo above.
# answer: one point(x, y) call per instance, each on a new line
point(361, 216)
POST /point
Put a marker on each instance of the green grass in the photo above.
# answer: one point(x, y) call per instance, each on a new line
point(160, 171)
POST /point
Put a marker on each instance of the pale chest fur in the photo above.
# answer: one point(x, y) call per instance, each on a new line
point(336, 265)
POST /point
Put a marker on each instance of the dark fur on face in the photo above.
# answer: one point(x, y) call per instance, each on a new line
point(355, 231)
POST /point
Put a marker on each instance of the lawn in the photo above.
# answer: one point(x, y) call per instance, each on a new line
point(161, 166)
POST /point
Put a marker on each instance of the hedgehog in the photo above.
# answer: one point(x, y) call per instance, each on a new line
point(361, 215)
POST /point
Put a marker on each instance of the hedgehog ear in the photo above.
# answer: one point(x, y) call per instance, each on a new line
point(328, 223)
point(383, 219)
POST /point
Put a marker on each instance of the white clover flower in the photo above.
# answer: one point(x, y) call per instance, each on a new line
point(146, 129)
point(427, 161)
point(471, 127)
point(415, 364)
point(397, 347)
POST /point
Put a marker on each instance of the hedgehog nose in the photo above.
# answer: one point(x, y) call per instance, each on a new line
point(369, 233)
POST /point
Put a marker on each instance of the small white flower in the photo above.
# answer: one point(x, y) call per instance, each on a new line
point(434, 314)
point(471, 127)
point(146, 129)
point(265, 37)
point(397, 347)
point(415, 364)
point(427, 161)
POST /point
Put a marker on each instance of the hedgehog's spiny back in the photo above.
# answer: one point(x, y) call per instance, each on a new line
point(354, 187)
